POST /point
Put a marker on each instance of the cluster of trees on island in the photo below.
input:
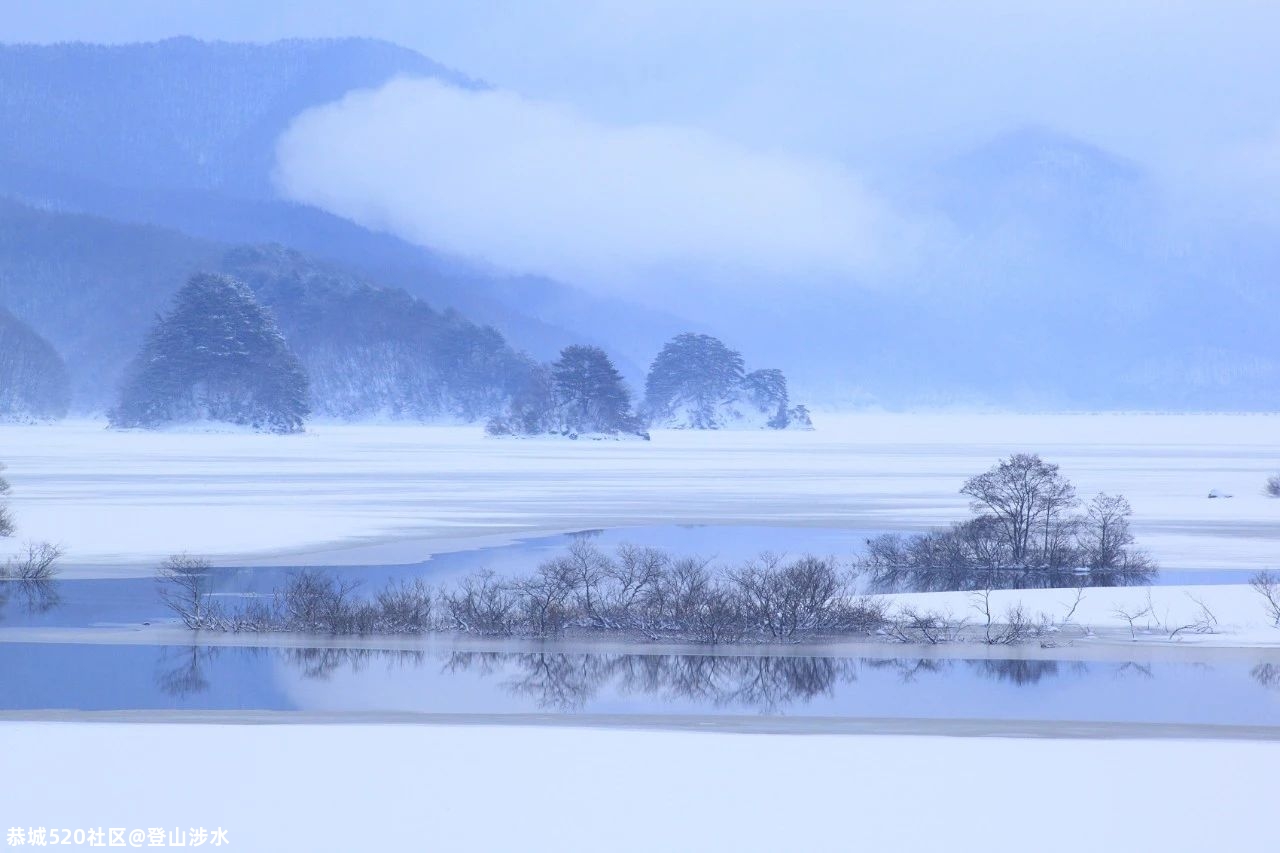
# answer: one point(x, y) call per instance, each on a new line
point(1027, 531)
point(30, 573)
point(696, 382)
point(218, 354)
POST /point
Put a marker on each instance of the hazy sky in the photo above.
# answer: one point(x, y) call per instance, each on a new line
point(1164, 79)
point(735, 131)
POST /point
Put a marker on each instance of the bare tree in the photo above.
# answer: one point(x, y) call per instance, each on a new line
point(406, 607)
point(1105, 536)
point(585, 567)
point(633, 576)
point(544, 600)
point(36, 563)
point(1130, 615)
point(1273, 486)
point(1267, 585)
point(481, 604)
point(786, 599)
point(1075, 603)
point(1027, 496)
point(319, 603)
point(719, 618)
point(184, 584)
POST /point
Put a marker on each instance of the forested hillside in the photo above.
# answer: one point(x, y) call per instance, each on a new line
point(33, 379)
point(94, 288)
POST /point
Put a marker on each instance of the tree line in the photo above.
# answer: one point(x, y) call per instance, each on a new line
point(219, 354)
point(639, 591)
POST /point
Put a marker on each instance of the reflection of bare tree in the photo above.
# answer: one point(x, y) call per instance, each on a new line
point(180, 671)
point(569, 681)
point(770, 683)
point(33, 597)
point(1267, 675)
point(1135, 670)
point(560, 681)
point(483, 663)
point(1019, 672)
point(909, 670)
point(322, 663)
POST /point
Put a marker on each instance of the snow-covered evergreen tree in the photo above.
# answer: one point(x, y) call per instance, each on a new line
point(588, 392)
point(579, 393)
point(696, 382)
point(216, 355)
point(33, 377)
point(6, 520)
point(691, 381)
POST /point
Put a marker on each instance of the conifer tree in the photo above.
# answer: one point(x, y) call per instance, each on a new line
point(216, 355)
point(6, 520)
point(589, 393)
point(33, 378)
point(694, 373)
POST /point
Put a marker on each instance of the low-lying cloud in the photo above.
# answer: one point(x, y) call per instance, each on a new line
point(535, 187)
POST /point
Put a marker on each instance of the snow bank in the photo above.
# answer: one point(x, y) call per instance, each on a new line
point(131, 497)
point(1242, 619)
point(360, 787)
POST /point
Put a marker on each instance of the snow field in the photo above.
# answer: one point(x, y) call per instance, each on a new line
point(391, 788)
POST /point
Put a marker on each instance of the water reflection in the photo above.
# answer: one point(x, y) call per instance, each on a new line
point(323, 663)
point(567, 682)
point(28, 597)
point(1267, 675)
point(181, 671)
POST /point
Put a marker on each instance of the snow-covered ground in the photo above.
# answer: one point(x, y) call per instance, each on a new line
point(1236, 615)
point(399, 493)
point(389, 788)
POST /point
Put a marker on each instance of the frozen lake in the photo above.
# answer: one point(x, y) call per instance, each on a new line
point(363, 495)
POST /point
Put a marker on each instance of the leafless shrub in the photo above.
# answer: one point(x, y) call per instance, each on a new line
point(1075, 602)
point(786, 599)
point(406, 607)
point(633, 578)
point(1131, 615)
point(1153, 617)
point(1273, 486)
point(642, 590)
point(925, 626)
point(1015, 627)
point(37, 563)
point(480, 604)
point(1204, 621)
point(719, 618)
point(545, 601)
point(183, 584)
point(319, 603)
point(1267, 585)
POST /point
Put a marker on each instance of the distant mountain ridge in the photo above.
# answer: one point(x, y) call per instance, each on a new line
point(180, 113)
point(181, 133)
